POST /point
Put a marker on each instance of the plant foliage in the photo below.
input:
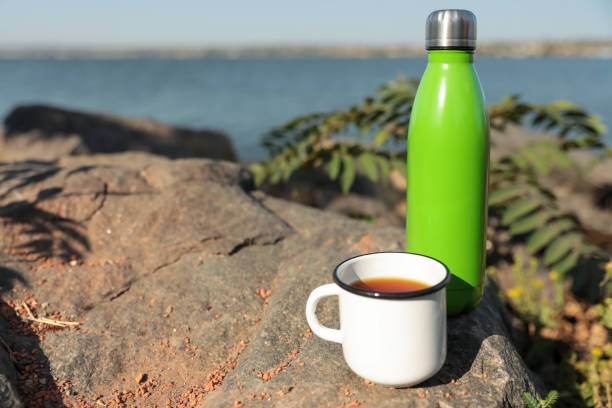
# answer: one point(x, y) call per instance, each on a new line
point(369, 139)
point(537, 402)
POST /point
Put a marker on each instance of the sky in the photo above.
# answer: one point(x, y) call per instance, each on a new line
point(204, 23)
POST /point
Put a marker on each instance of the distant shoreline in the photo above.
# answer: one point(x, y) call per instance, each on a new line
point(585, 49)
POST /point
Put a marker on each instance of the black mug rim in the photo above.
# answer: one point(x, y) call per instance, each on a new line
point(391, 295)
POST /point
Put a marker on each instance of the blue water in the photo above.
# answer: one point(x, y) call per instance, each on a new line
point(247, 97)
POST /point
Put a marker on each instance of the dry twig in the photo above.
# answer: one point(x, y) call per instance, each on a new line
point(45, 320)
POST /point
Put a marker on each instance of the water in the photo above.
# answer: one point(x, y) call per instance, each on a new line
point(247, 97)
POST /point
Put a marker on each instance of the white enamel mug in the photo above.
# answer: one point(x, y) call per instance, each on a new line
point(396, 339)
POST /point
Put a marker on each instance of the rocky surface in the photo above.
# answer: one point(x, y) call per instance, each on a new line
point(190, 289)
point(47, 132)
point(8, 380)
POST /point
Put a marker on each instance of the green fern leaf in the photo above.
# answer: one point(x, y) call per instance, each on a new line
point(567, 263)
point(275, 175)
point(348, 173)
point(551, 399)
point(518, 209)
point(368, 165)
point(333, 166)
point(560, 247)
point(506, 193)
point(540, 238)
point(539, 161)
point(531, 222)
point(384, 166)
point(259, 172)
point(381, 137)
point(530, 400)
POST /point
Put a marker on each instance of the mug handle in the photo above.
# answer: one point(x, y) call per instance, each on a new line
point(323, 332)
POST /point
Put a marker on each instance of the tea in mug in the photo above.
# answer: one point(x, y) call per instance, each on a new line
point(389, 285)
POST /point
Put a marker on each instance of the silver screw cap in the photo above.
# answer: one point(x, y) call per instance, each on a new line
point(451, 30)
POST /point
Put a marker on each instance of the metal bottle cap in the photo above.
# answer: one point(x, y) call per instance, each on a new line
point(451, 30)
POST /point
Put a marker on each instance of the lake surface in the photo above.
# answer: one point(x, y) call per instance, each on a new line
point(247, 97)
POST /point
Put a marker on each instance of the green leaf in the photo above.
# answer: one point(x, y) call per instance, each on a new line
point(531, 222)
point(259, 171)
point(540, 238)
point(368, 165)
point(381, 137)
point(333, 166)
point(506, 193)
point(384, 166)
point(561, 246)
point(519, 208)
point(539, 162)
point(348, 173)
point(551, 398)
point(520, 161)
point(561, 158)
point(567, 263)
point(275, 175)
point(530, 400)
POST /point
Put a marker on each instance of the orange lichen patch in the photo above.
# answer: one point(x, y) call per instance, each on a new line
point(448, 395)
point(238, 404)
point(366, 245)
point(463, 392)
point(347, 392)
point(421, 395)
point(368, 382)
point(484, 376)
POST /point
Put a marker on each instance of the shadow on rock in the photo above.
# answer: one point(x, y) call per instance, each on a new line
point(37, 233)
point(34, 234)
point(25, 374)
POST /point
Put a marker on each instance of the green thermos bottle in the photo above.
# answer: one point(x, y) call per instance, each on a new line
point(448, 159)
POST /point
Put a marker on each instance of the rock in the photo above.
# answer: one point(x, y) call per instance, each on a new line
point(47, 132)
point(365, 208)
point(8, 379)
point(234, 268)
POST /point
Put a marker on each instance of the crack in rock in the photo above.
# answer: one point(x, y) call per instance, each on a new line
point(252, 241)
point(104, 193)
